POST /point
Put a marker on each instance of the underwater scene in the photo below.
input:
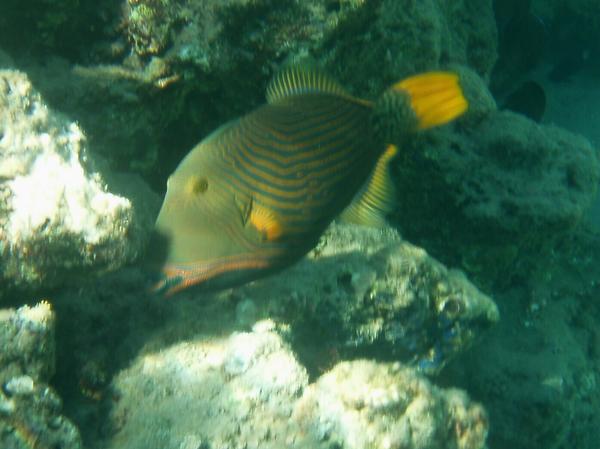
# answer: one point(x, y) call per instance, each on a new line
point(304, 224)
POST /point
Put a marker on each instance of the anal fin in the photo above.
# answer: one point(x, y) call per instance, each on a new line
point(376, 198)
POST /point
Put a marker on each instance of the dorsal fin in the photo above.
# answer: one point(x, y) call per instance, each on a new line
point(298, 80)
point(376, 198)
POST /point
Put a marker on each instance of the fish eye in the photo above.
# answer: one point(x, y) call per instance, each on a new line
point(197, 185)
point(201, 185)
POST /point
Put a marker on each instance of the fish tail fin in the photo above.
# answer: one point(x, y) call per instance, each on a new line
point(417, 103)
point(436, 98)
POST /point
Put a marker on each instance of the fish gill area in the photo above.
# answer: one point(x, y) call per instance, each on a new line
point(470, 322)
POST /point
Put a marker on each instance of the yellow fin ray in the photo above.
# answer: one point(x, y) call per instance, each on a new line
point(436, 97)
point(377, 198)
point(265, 222)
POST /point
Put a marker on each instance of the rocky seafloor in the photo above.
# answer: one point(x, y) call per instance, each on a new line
point(471, 322)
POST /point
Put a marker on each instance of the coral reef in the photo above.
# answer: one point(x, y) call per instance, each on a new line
point(30, 410)
point(361, 293)
point(129, 113)
point(554, 402)
point(364, 291)
point(141, 81)
point(362, 404)
point(28, 346)
point(218, 36)
point(238, 392)
point(540, 178)
point(30, 417)
point(506, 189)
point(401, 38)
point(149, 24)
point(537, 371)
point(173, 71)
point(57, 219)
point(248, 390)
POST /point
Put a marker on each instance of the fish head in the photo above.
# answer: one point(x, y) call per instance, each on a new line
point(205, 229)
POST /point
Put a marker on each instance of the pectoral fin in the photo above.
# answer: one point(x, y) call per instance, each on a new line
point(265, 222)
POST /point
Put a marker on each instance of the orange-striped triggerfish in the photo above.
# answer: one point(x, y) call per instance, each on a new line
point(257, 193)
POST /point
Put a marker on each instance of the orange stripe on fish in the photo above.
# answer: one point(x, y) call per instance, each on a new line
point(179, 278)
point(256, 194)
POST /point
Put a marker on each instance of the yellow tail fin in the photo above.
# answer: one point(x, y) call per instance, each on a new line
point(435, 97)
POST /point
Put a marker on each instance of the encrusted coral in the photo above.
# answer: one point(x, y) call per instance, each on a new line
point(249, 391)
point(364, 405)
point(495, 191)
point(149, 24)
point(364, 291)
point(30, 410)
point(57, 219)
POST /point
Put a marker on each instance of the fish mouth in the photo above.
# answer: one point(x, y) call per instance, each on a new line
point(207, 276)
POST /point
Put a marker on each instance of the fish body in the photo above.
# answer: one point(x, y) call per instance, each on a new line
point(256, 194)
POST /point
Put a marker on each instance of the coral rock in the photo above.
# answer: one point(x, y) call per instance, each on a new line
point(57, 219)
point(362, 404)
point(30, 415)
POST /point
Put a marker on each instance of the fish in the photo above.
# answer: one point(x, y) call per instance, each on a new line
point(529, 99)
point(255, 196)
point(523, 39)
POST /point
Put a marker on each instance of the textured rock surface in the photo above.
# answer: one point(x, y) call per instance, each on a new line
point(175, 70)
point(554, 403)
point(30, 417)
point(537, 371)
point(361, 293)
point(219, 36)
point(410, 37)
point(27, 336)
point(57, 218)
point(30, 410)
point(235, 392)
point(504, 188)
point(366, 291)
point(363, 404)
point(248, 391)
